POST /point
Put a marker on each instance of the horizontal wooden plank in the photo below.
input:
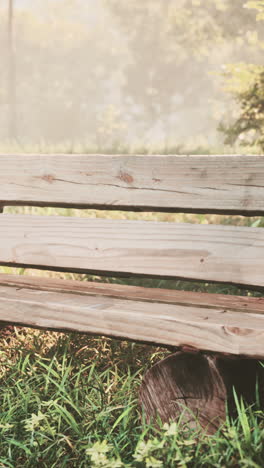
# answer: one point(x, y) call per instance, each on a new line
point(137, 293)
point(190, 251)
point(184, 325)
point(206, 184)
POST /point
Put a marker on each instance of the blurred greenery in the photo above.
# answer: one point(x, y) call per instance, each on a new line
point(106, 73)
point(246, 83)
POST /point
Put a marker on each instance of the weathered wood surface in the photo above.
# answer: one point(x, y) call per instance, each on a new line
point(207, 184)
point(190, 251)
point(253, 305)
point(195, 389)
point(187, 388)
point(188, 326)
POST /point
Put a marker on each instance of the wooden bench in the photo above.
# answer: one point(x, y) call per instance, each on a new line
point(229, 325)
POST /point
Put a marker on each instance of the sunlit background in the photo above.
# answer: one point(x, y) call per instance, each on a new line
point(107, 73)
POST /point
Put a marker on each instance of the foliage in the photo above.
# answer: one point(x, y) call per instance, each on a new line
point(249, 126)
point(181, 36)
point(70, 400)
point(257, 5)
point(246, 83)
point(107, 71)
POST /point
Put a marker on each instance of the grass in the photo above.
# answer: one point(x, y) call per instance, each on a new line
point(71, 400)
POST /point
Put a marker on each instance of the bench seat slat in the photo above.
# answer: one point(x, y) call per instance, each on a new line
point(137, 293)
point(198, 184)
point(189, 251)
point(188, 324)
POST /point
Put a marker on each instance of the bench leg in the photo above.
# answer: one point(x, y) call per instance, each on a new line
point(195, 388)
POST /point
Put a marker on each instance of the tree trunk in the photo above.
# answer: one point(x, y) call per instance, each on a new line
point(11, 73)
point(195, 388)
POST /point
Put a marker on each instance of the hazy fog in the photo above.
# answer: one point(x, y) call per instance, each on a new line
point(108, 72)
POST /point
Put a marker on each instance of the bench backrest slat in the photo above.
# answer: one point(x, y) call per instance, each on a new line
point(191, 251)
point(202, 184)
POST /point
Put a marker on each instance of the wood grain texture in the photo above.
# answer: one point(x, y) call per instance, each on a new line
point(207, 184)
point(195, 326)
point(185, 387)
point(189, 251)
point(253, 305)
point(195, 389)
